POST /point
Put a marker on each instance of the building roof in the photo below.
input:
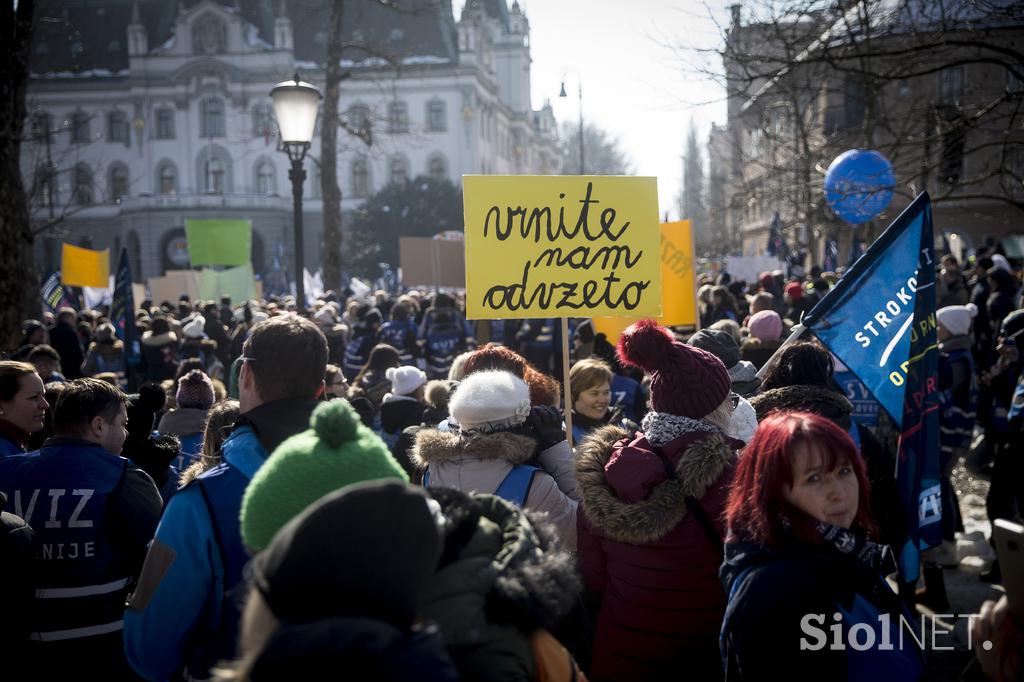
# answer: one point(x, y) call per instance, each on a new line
point(89, 37)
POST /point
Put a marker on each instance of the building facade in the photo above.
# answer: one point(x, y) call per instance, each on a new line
point(935, 88)
point(144, 114)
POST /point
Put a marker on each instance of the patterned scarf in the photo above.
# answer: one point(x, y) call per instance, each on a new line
point(661, 427)
point(855, 545)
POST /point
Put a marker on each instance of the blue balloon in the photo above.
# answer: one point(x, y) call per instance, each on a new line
point(859, 184)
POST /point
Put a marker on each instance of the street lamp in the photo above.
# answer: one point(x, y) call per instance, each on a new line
point(579, 84)
point(295, 105)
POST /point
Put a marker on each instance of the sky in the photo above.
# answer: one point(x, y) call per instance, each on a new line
point(639, 73)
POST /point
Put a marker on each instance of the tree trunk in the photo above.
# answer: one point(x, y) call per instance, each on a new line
point(19, 282)
point(329, 188)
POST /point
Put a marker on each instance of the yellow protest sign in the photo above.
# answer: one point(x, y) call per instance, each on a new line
point(561, 246)
point(678, 283)
point(84, 267)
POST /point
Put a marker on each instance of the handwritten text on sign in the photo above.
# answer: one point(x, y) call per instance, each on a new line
point(561, 246)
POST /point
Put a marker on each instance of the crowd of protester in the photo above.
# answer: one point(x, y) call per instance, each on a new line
point(380, 487)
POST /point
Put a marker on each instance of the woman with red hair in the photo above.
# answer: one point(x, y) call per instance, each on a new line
point(807, 596)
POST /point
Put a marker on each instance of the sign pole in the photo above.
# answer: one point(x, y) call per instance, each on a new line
point(565, 381)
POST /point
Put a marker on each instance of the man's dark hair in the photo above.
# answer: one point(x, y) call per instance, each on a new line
point(287, 356)
point(44, 351)
point(81, 401)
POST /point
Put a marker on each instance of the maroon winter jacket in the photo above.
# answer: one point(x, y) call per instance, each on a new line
point(656, 568)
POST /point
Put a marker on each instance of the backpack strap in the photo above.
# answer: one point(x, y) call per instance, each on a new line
point(515, 487)
point(702, 518)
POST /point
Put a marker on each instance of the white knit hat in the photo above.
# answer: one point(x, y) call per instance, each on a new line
point(957, 318)
point(325, 315)
point(195, 329)
point(490, 401)
point(405, 380)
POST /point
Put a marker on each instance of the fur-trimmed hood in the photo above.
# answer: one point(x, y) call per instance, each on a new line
point(156, 340)
point(433, 447)
point(107, 349)
point(700, 458)
point(823, 401)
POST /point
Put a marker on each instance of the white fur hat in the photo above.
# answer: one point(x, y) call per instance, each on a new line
point(490, 401)
point(957, 318)
point(405, 380)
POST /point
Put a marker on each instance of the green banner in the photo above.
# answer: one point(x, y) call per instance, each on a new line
point(238, 283)
point(219, 242)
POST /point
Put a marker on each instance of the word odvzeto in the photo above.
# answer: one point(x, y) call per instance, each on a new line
point(539, 223)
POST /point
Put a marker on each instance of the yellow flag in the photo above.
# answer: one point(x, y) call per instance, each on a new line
point(678, 283)
point(85, 267)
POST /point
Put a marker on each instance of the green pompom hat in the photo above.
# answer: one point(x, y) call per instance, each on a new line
point(336, 451)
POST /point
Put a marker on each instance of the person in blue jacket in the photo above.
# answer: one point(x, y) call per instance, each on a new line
point(184, 616)
point(22, 406)
point(807, 594)
point(93, 512)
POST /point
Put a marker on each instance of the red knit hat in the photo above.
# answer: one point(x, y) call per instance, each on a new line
point(685, 380)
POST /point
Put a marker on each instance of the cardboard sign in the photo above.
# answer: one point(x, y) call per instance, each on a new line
point(434, 263)
point(678, 283)
point(172, 285)
point(561, 246)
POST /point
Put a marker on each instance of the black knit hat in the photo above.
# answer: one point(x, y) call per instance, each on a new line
point(367, 550)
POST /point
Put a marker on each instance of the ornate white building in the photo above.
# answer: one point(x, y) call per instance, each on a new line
point(145, 113)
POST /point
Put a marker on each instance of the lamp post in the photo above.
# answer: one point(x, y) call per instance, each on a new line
point(295, 105)
point(579, 91)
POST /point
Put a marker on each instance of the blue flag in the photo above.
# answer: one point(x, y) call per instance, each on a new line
point(880, 321)
point(122, 310)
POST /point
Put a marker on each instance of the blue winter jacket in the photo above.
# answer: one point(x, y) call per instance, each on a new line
point(179, 602)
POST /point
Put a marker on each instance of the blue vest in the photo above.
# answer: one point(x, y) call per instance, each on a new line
point(221, 489)
point(398, 334)
point(514, 488)
point(443, 344)
point(959, 409)
point(81, 580)
point(356, 354)
point(626, 394)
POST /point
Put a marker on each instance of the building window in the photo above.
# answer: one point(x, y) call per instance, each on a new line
point(165, 124)
point(168, 178)
point(211, 117)
point(437, 169)
point(854, 101)
point(117, 127)
point(436, 122)
point(263, 122)
point(118, 184)
point(79, 125)
point(951, 86)
point(951, 165)
point(82, 177)
point(358, 117)
point(398, 170)
point(398, 117)
point(214, 176)
point(266, 180)
point(40, 124)
point(360, 178)
point(42, 187)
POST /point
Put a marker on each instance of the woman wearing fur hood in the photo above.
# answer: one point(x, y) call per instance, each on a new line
point(499, 444)
point(650, 526)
